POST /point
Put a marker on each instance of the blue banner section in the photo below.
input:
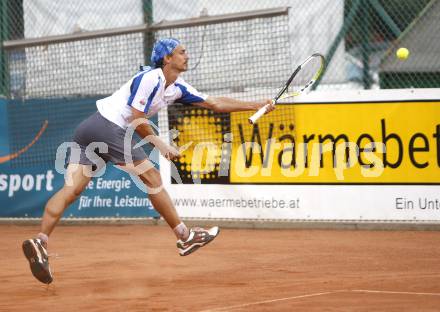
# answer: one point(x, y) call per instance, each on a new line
point(4, 133)
point(25, 191)
point(28, 144)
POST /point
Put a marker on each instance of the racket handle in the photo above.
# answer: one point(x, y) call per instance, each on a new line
point(253, 119)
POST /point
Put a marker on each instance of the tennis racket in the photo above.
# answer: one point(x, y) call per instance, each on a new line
point(302, 79)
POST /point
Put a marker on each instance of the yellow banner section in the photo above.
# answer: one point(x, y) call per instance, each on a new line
point(393, 142)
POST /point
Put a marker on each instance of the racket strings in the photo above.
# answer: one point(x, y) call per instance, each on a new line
point(306, 76)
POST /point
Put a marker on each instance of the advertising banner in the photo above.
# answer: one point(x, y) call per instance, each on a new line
point(389, 142)
point(29, 176)
point(359, 156)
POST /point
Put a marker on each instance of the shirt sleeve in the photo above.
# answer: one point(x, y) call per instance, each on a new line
point(189, 94)
point(142, 91)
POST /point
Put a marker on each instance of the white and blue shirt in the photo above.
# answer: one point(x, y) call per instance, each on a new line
point(146, 92)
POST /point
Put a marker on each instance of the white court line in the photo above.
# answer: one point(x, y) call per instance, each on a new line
point(395, 292)
point(321, 294)
point(270, 301)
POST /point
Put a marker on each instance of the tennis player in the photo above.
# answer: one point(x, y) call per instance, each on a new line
point(142, 96)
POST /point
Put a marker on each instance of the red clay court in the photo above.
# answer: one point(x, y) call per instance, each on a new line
point(137, 268)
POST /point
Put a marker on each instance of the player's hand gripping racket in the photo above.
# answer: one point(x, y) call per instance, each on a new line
point(302, 79)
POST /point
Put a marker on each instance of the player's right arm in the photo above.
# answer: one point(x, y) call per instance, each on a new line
point(189, 95)
point(227, 105)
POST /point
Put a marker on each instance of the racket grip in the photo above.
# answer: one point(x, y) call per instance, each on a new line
point(253, 119)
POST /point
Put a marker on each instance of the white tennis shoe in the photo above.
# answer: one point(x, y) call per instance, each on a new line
point(35, 251)
point(198, 237)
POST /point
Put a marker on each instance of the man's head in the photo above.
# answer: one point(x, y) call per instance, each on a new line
point(169, 51)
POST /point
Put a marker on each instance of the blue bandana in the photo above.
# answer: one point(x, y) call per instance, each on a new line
point(161, 48)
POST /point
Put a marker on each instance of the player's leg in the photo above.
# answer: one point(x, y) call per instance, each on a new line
point(157, 194)
point(161, 200)
point(78, 178)
point(134, 160)
point(189, 240)
point(35, 249)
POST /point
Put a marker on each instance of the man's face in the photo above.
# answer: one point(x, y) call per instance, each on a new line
point(179, 59)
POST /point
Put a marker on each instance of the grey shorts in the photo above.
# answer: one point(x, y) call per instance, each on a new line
point(98, 129)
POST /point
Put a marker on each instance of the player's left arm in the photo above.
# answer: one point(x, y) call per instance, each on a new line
point(227, 105)
point(145, 130)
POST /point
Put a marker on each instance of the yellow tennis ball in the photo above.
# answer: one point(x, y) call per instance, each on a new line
point(402, 53)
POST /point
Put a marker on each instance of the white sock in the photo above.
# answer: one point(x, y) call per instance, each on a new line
point(44, 238)
point(181, 231)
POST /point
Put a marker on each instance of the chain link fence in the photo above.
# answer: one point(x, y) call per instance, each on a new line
point(358, 37)
point(58, 57)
